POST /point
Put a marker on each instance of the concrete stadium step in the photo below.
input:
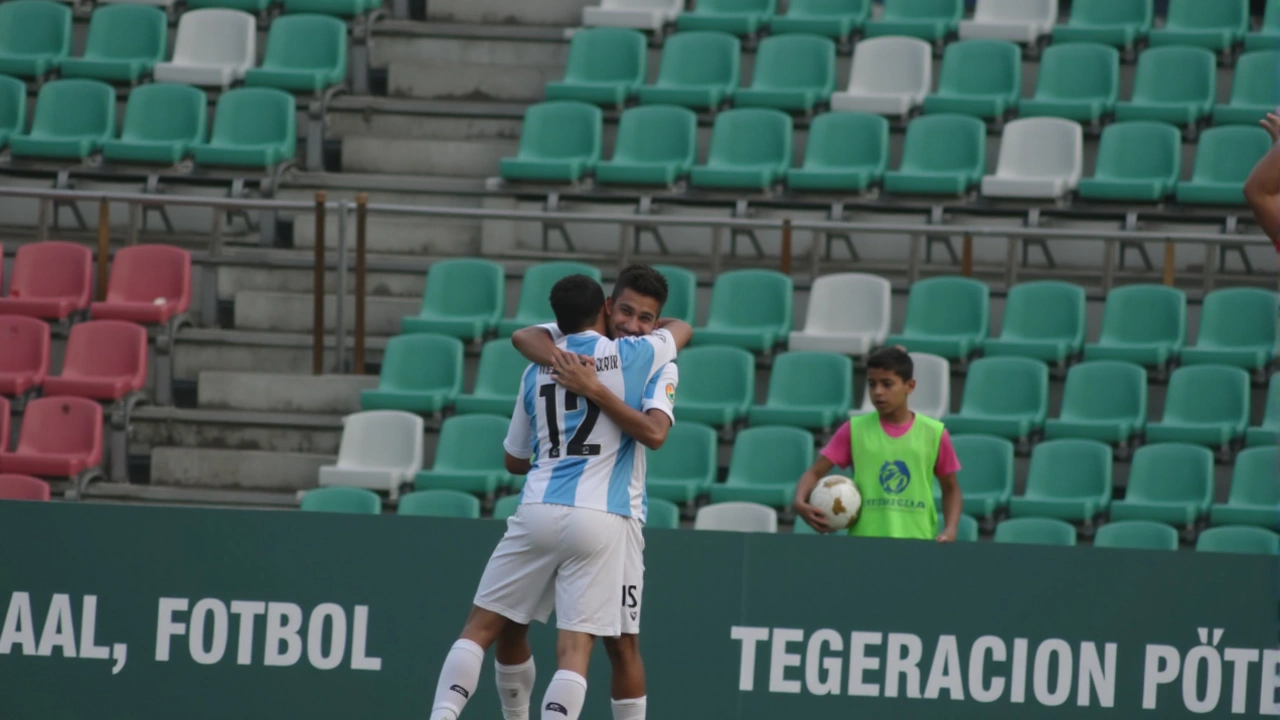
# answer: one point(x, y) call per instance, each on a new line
point(435, 81)
point(409, 117)
point(183, 496)
point(433, 157)
point(292, 312)
point(399, 235)
point(237, 279)
point(207, 468)
point(155, 427)
point(280, 393)
point(200, 350)
point(555, 12)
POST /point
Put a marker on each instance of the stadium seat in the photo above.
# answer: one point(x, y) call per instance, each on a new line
point(890, 76)
point(352, 501)
point(125, 42)
point(1020, 21)
point(946, 316)
point(1142, 324)
point(986, 474)
point(656, 145)
point(1224, 158)
point(150, 284)
point(252, 127)
point(1077, 81)
point(380, 450)
point(685, 467)
point(51, 280)
point(38, 37)
point(1040, 159)
point(700, 70)
point(1068, 480)
point(1035, 531)
point(214, 47)
point(1268, 35)
point(932, 396)
point(662, 514)
point(60, 437)
point(737, 17)
point(835, 19)
point(1255, 494)
point(737, 517)
point(469, 456)
point(439, 503)
point(812, 390)
point(1044, 320)
point(750, 149)
point(1205, 404)
point(1240, 540)
point(639, 14)
point(1268, 433)
point(1136, 535)
point(505, 507)
point(1216, 25)
point(941, 155)
point(1103, 400)
point(24, 358)
point(420, 373)
point(792, 72)
point(966, 529)
point(765, 465)
point(23, 487)
point(535, 294)
point(750, 309)
point(4, 425)
point(605, 67)
point(13, 108)
point(1168, 482)
point(305, 53)
point(339, 8)
point(1120, 23)
point(105, 360)
point(1137, 161)
point(845, 152)
point(979, 77)
point(560, 142)
point(1176, 85)
point(250, 6)
point(718, 385)
point(1255, 89)
point(1237, 327)
point(464, 298)
point(682, 293)
point(1003, 396)
point(161, 124)
point(73, 119)
point(931, 20)
point(497, 380)
point(848, 313)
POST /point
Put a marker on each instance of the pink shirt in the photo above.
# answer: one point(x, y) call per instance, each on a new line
point(840, 451)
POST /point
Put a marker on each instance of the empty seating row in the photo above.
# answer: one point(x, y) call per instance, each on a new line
point(105, 359)
point(1139, 535)
point(61, 437)
point(22, 487)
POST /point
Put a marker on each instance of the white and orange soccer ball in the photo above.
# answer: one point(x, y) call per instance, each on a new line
point(838, 498)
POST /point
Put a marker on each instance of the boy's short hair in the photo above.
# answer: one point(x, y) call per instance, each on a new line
point(576, 301)
point(644, 280)
point(895, 359)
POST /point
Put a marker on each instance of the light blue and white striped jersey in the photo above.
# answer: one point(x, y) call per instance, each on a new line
point(581, 458)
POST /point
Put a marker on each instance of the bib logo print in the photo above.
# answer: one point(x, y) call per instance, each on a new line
point(894, 477)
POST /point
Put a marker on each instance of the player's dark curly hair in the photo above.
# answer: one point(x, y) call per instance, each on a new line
point(576, 301)
point(643, 280)
point(895, 359)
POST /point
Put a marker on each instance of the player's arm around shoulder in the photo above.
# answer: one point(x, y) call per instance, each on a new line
point(515, 465)
point(537, 343)
point(681, 331)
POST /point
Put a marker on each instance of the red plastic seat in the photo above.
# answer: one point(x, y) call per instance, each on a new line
point(61, 437)
point(149, 284)
point(23, 487)
point(24, 353)
point(105, 360)
point(4, 426)
point(51, 280)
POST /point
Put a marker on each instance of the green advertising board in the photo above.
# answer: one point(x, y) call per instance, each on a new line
point(162, 613)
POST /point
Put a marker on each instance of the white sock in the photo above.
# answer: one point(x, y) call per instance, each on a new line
point(458, 680)
point(565, 696)
point(629, 709)
point(515, 688)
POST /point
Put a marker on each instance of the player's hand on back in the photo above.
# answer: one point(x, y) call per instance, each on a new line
point(575, 373)
point(812, 515)
point(1271, 123)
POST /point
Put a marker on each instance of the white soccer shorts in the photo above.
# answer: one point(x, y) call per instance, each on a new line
point(633, 577)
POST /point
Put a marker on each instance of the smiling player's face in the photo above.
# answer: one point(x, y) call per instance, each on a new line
point(632, 314)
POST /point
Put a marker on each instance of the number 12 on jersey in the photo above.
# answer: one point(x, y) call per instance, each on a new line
point(577, 445)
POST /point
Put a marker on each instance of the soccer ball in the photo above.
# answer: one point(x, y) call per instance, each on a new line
point(838, 498)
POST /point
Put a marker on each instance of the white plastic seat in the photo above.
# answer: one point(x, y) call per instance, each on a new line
point(638, 14)
point(891, 76)
point(848, 313)
point(1020, 21)
point(380, 450)
point(932, 396)
point(1040, 158)
point(214, 48)
point(737, 517)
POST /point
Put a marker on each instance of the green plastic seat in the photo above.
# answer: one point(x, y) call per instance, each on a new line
point(1120, 23)
point(1068, 480)
point(764, 468)
point(1142, 324)
point(941, 155)
point(1216, 25)
point(535, 294)
point(1224, 158)
point(1036, 531)
point(686, 465)
point(835, 19)
point(979, 77)
point(161, 123)
point(931, 20)
point(717, 385)
point(656, 145)
point(1044, 320)
point(946, 316)
point(339, 8)
point(439, 503)
point(812, 390)
point(420, 373)
point(505, 507)
point(986, 473)
point(353, 501)
point(750, 149)
point(1268, 433)
point(35, 37)
point(662, 514)
point(1237, 327)
point(305, 53)
point(464, 299)
point(698, 70)
point(1176, 85)
point(560, 142)
point(845, 152)
point(125, 42)
point(252, 127)
point(497, 380)
point(1255, 493)
point(1136, 535)
point(1205, 404)
point(13, 107)
point(1137, 161)
point(1268, 36)
point(73, 119)
point(605, 67)
point(469, 456)
point(1240, 540)
point(1169, 483)
point(682, 293)
point(966, 529)
point(1077, 81)
point(736, 17)
point(750, 309)
point(1004, 396)
point(792, 72)
point(1255, 89)
point(249, 6)
point(1103, 400)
